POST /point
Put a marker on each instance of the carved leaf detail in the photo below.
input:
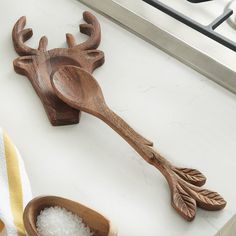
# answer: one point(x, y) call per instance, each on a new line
point(192, 176)
point(183, 203)
point(207, 199)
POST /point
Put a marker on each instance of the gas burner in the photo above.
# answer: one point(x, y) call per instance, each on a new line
point(232, 19)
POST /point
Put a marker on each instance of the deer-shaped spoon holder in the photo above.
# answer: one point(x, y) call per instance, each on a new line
point(80, 90)
point(39, 64)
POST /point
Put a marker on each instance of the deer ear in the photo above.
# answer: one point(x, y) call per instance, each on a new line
point(94, 55)
point(21, 64)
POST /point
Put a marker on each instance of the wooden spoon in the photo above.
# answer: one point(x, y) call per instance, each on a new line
point(80, 90)
point(95, 221)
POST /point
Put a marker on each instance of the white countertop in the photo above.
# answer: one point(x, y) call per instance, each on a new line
point(191, 120)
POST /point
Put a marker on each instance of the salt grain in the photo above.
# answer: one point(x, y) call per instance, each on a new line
point(57, 221)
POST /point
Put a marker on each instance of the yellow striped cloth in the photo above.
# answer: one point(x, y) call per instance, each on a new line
point(15, 190)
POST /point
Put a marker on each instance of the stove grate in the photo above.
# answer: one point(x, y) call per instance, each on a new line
point(207, 30)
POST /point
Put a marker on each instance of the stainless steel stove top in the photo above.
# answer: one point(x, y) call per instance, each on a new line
point(210, 57)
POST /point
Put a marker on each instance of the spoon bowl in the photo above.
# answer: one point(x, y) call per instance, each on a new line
point(98, 224)
point(77, 88)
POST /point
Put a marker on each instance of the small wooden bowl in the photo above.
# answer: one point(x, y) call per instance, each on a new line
point(95, 221)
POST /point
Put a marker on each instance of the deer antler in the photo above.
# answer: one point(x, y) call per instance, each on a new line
point(20, 35)
point(92, 29)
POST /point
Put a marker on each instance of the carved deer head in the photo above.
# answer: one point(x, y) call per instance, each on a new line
point(39, 64)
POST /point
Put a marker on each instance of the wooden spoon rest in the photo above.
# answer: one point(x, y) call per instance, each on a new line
point(38, 64)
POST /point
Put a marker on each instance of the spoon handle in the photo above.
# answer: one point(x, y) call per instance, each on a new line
point(184, 183)
point(142, 145)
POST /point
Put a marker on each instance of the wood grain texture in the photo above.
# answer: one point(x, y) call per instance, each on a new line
point(80, 90)
point(39, 64)
point(192, 176)
point(99, 225)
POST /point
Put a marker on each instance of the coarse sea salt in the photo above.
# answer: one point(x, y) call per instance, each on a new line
point(57, 221)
